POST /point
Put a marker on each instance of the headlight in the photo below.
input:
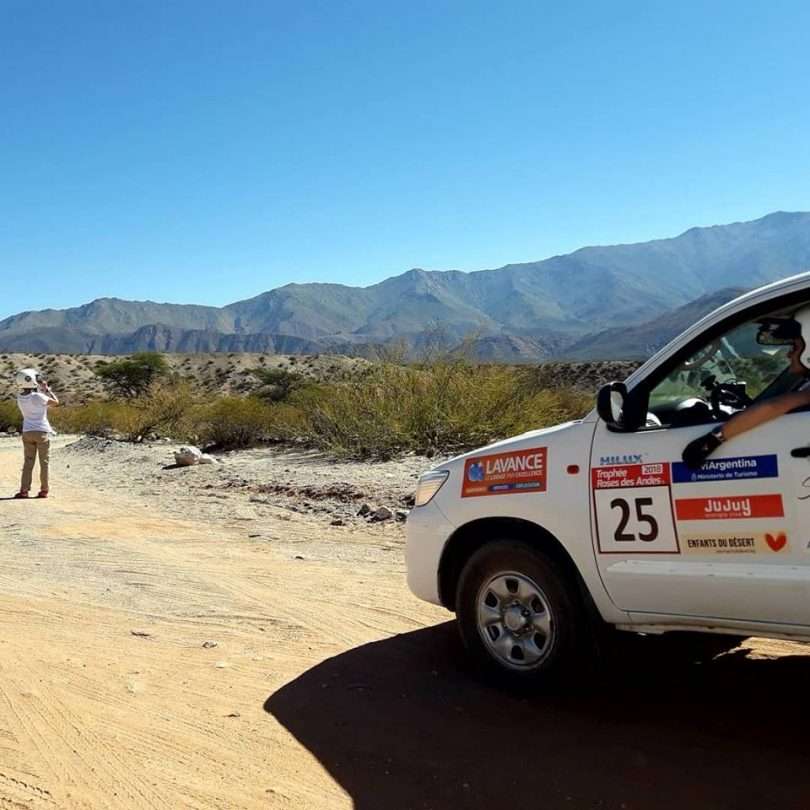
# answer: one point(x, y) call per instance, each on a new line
point(429, 484)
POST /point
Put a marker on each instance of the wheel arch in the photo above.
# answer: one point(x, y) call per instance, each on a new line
point(467, 539)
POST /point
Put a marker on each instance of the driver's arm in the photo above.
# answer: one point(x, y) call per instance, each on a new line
point(763, 412)
point(697, 451)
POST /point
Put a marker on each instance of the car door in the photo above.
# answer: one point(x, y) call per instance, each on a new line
point(728, 542)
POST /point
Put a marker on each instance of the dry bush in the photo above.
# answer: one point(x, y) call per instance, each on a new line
point(166, 408)
point(234, 422)
point(96, 418)
point(446, 406)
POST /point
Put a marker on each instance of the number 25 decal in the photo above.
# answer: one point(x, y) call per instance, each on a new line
point(621, 535)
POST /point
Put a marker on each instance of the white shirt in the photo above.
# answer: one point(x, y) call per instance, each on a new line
point(34, 408)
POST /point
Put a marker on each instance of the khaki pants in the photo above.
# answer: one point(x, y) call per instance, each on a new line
point(35, 443)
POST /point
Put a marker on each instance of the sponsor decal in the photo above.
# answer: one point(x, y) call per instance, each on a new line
point(630, 475)
point(506, 473)
point(767, 543)
point(630, 458)
point(734, 508)
point(727, 469)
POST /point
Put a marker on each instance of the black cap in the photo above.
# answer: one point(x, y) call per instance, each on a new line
point(778, 331)
point(788, 329)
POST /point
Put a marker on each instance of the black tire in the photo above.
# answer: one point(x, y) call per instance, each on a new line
point(508, 654)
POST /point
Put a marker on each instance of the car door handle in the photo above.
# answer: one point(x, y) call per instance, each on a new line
point(800, 452)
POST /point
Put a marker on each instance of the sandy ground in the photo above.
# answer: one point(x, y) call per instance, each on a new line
point(206, 638)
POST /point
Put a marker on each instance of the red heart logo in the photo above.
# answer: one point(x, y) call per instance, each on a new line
point(776, 543)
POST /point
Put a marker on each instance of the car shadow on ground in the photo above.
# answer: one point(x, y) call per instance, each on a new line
point(402, 723)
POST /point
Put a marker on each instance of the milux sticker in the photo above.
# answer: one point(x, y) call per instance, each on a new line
point(512, 473)
point(727, 469)
point(731, 508)
point(764, 543)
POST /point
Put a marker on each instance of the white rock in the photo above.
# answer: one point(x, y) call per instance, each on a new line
point(188, 456)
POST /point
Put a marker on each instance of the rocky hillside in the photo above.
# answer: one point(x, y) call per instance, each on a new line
point(642, 341)
point(73, 378)
point(515, 313)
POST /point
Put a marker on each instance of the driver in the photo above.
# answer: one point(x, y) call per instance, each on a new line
point(793, 332)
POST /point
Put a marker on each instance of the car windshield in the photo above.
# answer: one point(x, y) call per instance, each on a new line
point(723, 377)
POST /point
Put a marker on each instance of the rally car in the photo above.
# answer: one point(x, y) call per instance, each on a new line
point(536, 540)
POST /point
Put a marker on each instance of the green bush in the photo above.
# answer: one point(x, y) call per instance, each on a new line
point(10, 416)
point(133, 376)
point(276, 384)
point(234, 422)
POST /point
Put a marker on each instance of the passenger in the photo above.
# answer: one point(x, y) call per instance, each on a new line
point(794, 332)
point(33, 401)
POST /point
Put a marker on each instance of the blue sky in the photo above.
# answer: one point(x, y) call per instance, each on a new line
point(207, 151)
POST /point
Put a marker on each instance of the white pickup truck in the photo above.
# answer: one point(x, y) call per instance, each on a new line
point(535, 540)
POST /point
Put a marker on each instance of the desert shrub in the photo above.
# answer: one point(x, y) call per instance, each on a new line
point(445, 406)
point(96, 418)
point(167, 408)
point(164, 408)
point(10, 416)
point(132, 377)
point(234, 422)
point(275, 384)
point(379, 410)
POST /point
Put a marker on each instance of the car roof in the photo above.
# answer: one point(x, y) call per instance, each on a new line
point(777, 289)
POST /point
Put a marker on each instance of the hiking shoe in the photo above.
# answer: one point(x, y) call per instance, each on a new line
point(43, 494)
point(21, 495)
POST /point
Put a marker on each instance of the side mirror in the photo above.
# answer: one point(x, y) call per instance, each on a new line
point(610, 403)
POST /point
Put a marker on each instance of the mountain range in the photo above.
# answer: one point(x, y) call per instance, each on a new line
point(619, 301)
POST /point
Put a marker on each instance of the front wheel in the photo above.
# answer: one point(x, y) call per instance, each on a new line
point(520, 614)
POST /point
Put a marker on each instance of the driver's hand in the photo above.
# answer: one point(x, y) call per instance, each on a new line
point(696, 452)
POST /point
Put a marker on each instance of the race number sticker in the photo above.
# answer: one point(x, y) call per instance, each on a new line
point(633, 508)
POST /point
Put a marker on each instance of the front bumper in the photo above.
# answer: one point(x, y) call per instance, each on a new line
point(428, 530)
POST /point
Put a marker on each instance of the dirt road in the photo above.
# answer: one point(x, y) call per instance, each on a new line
point(108, 696)
point(329, 686)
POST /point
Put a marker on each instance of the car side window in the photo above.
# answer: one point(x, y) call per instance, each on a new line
point(721, 378)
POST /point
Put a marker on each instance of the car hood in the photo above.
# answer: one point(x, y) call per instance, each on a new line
point(545, 435)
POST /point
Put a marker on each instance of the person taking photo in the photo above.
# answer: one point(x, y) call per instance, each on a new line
point(33, 400)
